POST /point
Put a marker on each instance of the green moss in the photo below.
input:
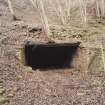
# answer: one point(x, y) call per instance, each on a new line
point(1, 86)
point(2, 91)
point(29, 70)
point(1, 82)
point(11, 94)
point(3, 100)
point(16, 89)
point(18, 77)
point(96, 61)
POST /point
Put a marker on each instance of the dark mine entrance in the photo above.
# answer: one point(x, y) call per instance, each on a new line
point(51, 55)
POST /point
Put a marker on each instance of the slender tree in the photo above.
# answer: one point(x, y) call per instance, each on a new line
point(102, 8)
point(97, 9)
point(33, 3)
point(60, 12)
point(44, 19)
point(68, 5)
point(11, 9)
point(83, 11)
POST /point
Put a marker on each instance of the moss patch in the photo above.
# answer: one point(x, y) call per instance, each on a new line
point(96, 61)
point(3, 98)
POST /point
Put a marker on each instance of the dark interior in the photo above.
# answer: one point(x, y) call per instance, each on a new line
point(50, 55)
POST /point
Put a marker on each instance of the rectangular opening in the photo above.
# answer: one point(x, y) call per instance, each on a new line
point(51, 55)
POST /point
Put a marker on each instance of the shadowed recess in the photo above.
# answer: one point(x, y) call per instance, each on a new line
point(50, 55)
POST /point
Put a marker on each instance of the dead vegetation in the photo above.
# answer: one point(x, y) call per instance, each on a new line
point(59, 20)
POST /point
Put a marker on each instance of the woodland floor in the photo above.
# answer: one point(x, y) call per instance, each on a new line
point(20, 85)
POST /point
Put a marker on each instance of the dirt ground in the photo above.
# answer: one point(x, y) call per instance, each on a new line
point(20, 85)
